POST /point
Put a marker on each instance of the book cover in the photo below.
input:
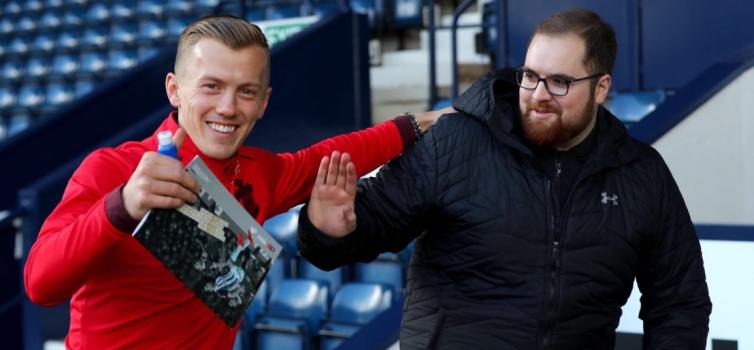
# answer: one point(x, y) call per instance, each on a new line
point(214, 246)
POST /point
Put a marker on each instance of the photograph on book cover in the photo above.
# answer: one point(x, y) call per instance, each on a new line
point(213, 246)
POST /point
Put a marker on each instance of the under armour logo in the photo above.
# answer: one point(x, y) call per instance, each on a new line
point(613, 198)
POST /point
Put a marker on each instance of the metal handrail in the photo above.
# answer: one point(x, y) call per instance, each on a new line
point(454, 42)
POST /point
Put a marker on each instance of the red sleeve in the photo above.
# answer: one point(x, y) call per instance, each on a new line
point(369, 148)
point(77, 235)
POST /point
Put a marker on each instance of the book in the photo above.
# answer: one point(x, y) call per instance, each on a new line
point(214, 246)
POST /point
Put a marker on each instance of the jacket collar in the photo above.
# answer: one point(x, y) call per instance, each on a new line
point(493, 101)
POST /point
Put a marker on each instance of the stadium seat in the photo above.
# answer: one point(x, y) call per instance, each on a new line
point(31, 95)
point(58, 93)
point(179, 7)
point(83, 86)
point(53, 4)
point(97, 13)
point(176, 26)
point(283, 228)
point(122, 59)
point(73, 17)
point(150, 8)
point(124, 33)
point(323, 9)
point(204, 6)
point(95, 37)
point(93, 62)
point(147, 52)
point(6, 26)
point(64, 65)
point(152, 30)
point(256, 309)
point(387, 269)
point(407, 13)
point(43, 43)
point(353, 306)
point(68, 40)
point(296, 309)
point(256, 15)
point(50, 21)
point(632, 107)
point(278, 272)
point(7, 96)
point(124, 9)
point(32, 6)
point(18, 122)
point(26, 25)
point(12, 70)
point(12, 8)
point(19, 46)
point(37, 67)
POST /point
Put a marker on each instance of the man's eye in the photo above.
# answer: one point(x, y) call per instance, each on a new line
point(556, 81)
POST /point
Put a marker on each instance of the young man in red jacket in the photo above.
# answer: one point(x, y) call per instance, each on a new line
point(122, 296)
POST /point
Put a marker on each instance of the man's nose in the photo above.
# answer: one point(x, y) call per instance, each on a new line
point(226, 107)
point(541, 93)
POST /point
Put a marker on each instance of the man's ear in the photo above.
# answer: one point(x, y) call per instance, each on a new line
point(171, 89)
point(602, 88)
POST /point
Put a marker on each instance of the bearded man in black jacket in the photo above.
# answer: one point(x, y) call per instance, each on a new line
point(533, 212)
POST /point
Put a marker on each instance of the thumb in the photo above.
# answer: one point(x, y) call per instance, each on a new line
point(178, 138)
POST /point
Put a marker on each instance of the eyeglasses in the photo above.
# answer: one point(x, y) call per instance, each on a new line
point(556, 85)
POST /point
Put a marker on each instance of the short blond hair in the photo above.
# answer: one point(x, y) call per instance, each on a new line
point(233, 32)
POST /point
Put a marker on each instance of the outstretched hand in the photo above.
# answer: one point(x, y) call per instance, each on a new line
point(331, 206)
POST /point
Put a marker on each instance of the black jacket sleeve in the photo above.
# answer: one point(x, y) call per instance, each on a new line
point(675, 304)
point(391, 210)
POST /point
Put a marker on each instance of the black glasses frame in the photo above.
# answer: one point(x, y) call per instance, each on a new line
point(520, 76)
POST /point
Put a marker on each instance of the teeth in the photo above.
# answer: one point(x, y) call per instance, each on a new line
point(221, 127)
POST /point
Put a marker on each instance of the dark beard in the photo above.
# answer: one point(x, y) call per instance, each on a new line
point(553, 134)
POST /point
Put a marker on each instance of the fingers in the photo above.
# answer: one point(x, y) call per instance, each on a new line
point(158, 182)
point(345, 159)
point(332, 172)
point(351, 179)
point(322, 172)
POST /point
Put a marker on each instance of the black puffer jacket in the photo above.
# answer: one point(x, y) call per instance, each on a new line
point(496, 268)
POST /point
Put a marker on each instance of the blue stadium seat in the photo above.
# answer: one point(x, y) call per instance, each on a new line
point(204, 6)
point(7, 96)
point(124, 9)
point(122, 59)
point(180, 7)
point(295, 311)
point(53, 4)
point(32, 6)
point(37, 67)
point(73, 17)
point(283, 228)
point(353, 306)
point(64, 65)
point(632, 107)
point(12, 8)
point(19, 46)
point(278, 272)
point(97, 13)
point(12, 70)
point(332, 279)
point(256, 14)
point(147, 52)
point(68, 40)
point(150, 8)
point(6, 26)
point(43, 43)
point(153, 30)
point(50, 20)
point(95, 37)
point(124, 33)
point(18, 122)
point(93, 62)
point(256, 309)
point(58, 93)
point(26, 25)
point(83, 86)
point(31, 95)
point(387, 269)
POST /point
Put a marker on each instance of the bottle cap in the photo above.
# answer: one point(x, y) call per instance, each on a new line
point(165, 137)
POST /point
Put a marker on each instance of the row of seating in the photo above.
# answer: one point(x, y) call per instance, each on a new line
point(299, 306)
point(91, 10)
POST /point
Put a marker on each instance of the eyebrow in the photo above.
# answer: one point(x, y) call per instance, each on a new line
point(218, 80)
point(556, 75)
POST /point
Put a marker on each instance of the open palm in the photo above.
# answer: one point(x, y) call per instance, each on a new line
point(331, 206)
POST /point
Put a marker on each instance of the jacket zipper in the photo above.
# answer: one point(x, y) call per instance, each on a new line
point(553, 268)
